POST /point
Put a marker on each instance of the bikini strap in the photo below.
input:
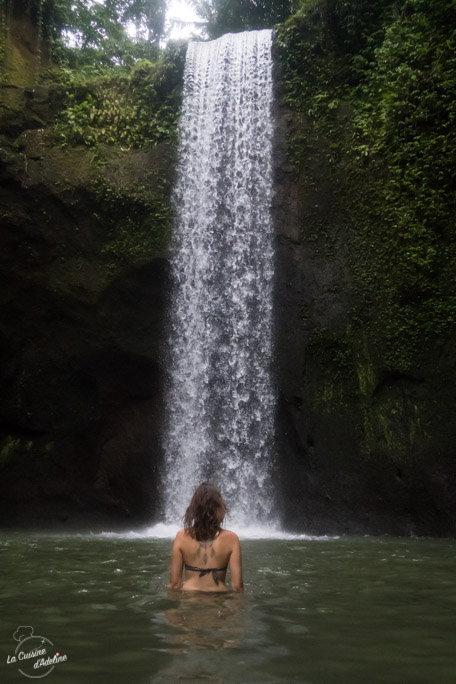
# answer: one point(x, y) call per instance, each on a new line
point(205, 571)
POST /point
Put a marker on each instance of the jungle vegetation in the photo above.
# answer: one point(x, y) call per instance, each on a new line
point(375, 79)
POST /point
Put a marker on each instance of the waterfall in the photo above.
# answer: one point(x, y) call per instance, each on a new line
point(220, 399)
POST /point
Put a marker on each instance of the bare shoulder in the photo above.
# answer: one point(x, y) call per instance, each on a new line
point(181, 535)
point(230, 536)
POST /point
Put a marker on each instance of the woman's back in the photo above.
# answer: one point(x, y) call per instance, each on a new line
point(203, 548)
point(206, 562)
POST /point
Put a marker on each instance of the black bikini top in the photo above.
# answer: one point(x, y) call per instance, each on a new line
point(204, 571)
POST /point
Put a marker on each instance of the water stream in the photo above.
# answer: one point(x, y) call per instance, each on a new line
point(220, 401)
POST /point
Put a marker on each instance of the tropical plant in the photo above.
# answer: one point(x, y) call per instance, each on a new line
point(223, 16)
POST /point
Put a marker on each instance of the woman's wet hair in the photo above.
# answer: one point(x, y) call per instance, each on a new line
point(205, 513)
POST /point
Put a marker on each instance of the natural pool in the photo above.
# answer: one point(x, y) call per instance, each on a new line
point(315, 611)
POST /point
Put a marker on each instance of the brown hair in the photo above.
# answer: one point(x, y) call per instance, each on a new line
point(205, 513)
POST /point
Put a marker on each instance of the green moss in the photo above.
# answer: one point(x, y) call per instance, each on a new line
point(395, 430)
point(369, 91)
point(9, 448)
point(366, 377)
point(20, 66)
point(317, 232)
point(138, 221)
point(329, 395)
point(331, 359)
point(12, 101)
point(133, 242)
point(365, 368)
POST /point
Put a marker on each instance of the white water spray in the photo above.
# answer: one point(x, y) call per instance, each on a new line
point(220, 401)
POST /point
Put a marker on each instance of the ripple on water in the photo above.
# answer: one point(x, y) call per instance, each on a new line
point(354, 620)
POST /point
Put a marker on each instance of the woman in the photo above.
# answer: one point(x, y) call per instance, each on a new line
point(203, 548)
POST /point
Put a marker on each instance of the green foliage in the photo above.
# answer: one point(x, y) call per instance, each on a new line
point(376, 83)
point(75, 38)
point(137, 220)
point(225, 16)
point(96, 32)
point(133, 108)
point(8, 449)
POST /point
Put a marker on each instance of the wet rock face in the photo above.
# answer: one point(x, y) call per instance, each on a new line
point(362, 448)
point(25, 108)
point(81, 328)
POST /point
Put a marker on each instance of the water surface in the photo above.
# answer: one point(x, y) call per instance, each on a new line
point(334, 611)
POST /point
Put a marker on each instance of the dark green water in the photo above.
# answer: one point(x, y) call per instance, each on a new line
point(344, 611)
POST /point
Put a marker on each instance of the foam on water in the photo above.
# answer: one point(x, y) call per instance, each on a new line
point(165, 531)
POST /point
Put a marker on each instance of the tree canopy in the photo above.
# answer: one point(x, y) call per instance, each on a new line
point(104, 33)
point(101, 32)
point(225, 16)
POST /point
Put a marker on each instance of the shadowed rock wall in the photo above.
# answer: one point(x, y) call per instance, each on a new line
point(365, 445)
point(84, 279)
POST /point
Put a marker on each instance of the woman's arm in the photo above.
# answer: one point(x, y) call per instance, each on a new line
point(237, 583)
point(177, 564)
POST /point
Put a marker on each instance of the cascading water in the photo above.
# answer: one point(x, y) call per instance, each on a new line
point(220, 399)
